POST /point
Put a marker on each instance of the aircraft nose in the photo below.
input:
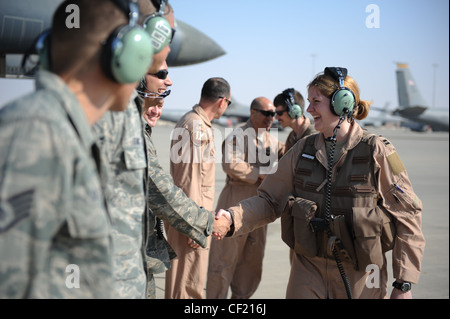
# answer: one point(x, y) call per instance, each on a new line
point(191, 46)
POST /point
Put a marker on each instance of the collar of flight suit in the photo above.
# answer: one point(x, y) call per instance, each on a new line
point(354, 137)
point(260, 138)
point(68, 103)
point(199, 110)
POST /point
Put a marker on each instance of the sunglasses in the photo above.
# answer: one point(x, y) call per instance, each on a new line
point(279, 113)
point(161, 74)
point(266, 113)
point(228, 101)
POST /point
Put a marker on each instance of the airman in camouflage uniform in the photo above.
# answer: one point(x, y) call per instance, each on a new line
point(121, 141)
point(139, 250)
point(55, 232)
point(52, 211)
point(134, 167)
point(168, 202)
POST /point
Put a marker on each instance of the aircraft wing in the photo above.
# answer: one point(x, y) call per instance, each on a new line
point(411, 111)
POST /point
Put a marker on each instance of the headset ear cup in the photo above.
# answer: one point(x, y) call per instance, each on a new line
point(342, 99)
point(106, 54)
point(127, 54)
point(295, 111)
point(160, 32)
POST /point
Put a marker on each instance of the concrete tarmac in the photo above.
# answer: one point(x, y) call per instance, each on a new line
point(426, 157)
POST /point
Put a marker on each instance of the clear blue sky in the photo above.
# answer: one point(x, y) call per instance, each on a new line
point(270, 47)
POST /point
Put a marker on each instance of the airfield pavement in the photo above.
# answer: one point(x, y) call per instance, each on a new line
point(426, 157)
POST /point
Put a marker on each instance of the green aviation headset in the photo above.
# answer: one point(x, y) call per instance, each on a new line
point(126, 54)
point(294, 110)
point(343, 100)
point(159, 28)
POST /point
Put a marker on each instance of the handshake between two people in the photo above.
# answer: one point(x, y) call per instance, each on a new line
point(222, 224)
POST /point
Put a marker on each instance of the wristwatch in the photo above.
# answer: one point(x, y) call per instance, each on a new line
point(404, 286)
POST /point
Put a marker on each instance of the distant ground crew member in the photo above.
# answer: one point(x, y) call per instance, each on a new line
point(290, 110)
point(345, 199)
point(236, 263)
point(192, 167)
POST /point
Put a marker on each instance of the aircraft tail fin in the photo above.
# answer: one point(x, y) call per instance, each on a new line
point(408, 92)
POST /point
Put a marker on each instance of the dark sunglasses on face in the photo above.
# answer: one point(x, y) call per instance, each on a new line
point(228, 101)
point(161, 74)
point(279, 113)
point(266, 113)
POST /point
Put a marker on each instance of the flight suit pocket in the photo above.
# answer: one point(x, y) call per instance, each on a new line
point(302, 212)
point(287, 224)
point(388, 232)
point(91, 226)
point(207, 196)
point(367, 230)
point(402, 198)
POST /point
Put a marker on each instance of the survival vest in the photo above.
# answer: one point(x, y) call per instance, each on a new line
point(356, 220)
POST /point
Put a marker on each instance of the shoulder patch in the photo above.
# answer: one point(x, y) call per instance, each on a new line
point(15, 209)
point(396, 163)
point(385, 141)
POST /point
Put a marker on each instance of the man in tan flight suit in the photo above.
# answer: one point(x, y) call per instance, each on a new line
point(249, 153)
point(192, 166)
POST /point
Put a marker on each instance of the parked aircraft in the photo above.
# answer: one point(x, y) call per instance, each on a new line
point(22, 21)
point(380, 117)
point(413, 107)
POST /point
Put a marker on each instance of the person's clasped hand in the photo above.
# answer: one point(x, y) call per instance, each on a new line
point(222, 224)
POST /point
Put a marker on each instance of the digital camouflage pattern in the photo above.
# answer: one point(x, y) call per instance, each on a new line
point(55, 236)
point(121, 141)
point(168, 202)
point(130, 172)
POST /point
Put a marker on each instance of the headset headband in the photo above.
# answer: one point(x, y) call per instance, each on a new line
point(339, 74)
point(343, 99)
point(162, 7)
point(289, 93)
point(133, 15)
point(130, 8)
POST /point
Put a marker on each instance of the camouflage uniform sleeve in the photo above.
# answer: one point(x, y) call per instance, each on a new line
point(31, 186)
point(170, 203)
point(399, 199)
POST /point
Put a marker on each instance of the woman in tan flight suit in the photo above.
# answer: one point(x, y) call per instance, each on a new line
point(340, 224)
